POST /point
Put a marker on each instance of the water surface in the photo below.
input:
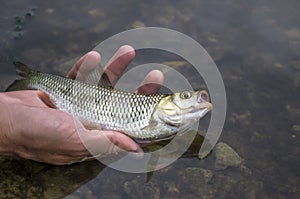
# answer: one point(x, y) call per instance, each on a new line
point(255, 45)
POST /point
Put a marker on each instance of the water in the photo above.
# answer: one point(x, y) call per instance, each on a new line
point(255, 45)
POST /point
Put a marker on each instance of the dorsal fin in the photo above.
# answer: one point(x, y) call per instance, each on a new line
point(99, 77)
point(104, 81)
point(22, 69)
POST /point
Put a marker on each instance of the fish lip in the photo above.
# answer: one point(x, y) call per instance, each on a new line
point(203, 109)
point(209, 106)
point(203, 112)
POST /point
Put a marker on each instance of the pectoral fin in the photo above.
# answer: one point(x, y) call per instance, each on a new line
point(151, 126)
point(45, 98)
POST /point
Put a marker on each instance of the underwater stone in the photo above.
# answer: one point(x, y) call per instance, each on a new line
point(226, 157)
point(188, 173)
point(196, 180)
point(18, 35)
point(18, 27)
point(19, 20)
point(137, 189)
point(29, 13)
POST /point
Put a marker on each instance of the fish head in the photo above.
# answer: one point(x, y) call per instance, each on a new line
point(184, 108)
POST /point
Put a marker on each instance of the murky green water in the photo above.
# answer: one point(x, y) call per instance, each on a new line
point(256, 45)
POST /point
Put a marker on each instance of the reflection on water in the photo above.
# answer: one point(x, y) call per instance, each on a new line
point(256, 47)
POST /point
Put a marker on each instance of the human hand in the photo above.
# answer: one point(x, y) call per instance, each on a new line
point(32, 130)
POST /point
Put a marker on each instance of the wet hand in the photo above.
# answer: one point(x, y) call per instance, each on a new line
point(34, 131)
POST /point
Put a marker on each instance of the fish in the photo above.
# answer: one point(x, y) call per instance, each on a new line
point(142, 117)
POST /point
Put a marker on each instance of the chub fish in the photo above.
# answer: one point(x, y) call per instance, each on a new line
point(140, 116)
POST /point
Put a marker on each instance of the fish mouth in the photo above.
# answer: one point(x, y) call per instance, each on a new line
point(205, 108)
point(203, 111)
point(205, 105)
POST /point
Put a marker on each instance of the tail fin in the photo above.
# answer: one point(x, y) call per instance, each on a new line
point(23, 71)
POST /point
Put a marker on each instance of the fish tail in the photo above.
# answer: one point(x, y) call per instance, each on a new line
point(24, 72)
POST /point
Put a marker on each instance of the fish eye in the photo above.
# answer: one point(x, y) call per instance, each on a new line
point(185, 95)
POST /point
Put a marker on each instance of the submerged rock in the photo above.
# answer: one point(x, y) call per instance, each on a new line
point(189, 173)
point(137, 189)
point(195, 180)
point(226, 157)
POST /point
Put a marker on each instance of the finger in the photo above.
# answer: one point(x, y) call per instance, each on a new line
point(118, 63)
point(123, 141)
point(108, 142)
point(103, 143)
point(152, 83)
point(84, 65)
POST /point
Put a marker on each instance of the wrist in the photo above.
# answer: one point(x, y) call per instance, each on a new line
point(5, 126)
